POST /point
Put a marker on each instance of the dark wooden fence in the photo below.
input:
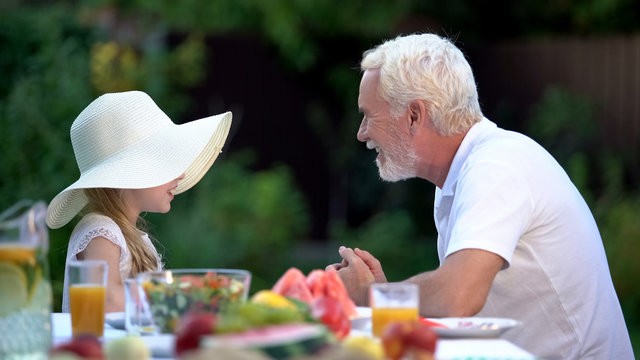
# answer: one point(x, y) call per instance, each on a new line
point(604, 69)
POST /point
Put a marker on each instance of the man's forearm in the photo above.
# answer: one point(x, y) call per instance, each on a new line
point(460, 286)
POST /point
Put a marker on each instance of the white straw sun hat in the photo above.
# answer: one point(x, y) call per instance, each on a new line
point(124, 141)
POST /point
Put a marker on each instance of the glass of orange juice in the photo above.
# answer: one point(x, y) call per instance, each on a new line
point(392, 302)
point(87, 295)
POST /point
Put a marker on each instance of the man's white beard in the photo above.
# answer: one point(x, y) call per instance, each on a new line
point(400, 161)
point(402, 169)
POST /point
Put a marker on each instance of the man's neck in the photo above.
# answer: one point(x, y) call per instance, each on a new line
point(435, 157)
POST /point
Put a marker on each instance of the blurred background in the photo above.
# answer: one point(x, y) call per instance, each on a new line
point(293, 183)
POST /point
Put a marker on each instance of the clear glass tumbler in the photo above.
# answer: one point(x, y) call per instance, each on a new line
point(87, 296)
point(392, 302)
point(137, 315)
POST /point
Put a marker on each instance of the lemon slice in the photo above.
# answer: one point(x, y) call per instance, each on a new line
point(13, 287)
point(17, 254)
point(34, 284)
point(273, 299)
point(40, 295)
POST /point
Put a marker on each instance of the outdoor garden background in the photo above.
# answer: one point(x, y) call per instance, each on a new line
point(293, 182)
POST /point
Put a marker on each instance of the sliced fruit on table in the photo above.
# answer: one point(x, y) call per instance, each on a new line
point(293, 284)
point(335, 288)
point(282, 341)
point(287, 279)
point(329, 311)
point(403, 338)
point(272, 298)
point(324, 292)
point(317, 282)
point(18, 255)
point(191, 328)
point(13, 287)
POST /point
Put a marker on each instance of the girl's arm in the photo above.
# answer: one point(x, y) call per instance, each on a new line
point(102, 249)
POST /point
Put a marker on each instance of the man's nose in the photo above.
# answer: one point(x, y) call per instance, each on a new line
point(362, 132)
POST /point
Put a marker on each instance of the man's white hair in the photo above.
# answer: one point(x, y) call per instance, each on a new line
point(428, 68)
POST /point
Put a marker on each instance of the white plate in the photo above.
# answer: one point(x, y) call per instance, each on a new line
point(473, 327)
point(467, 327)
point(362, 321)
point(161, 346)
point(115, 320)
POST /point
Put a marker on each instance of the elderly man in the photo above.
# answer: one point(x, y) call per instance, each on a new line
point(515, 237)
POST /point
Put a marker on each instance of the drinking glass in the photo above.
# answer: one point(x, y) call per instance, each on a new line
point(137, 315)
point(25, 289)
point(392, 302)
point(87, 296)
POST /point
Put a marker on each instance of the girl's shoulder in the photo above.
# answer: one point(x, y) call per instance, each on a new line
point(95, 225)
point(93, 221)
point(95, 218)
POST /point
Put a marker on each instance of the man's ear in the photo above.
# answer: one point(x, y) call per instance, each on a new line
point(417, 116)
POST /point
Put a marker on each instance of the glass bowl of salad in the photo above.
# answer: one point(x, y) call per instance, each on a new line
point(173, 293)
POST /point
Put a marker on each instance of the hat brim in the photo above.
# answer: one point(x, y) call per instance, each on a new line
point(188, 149)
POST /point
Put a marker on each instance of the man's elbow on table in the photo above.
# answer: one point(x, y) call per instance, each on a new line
point(449, 301)
point(463, 282)
point(461, 305)
point(459, 290)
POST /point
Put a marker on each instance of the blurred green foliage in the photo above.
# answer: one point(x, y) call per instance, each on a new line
point(292, 26)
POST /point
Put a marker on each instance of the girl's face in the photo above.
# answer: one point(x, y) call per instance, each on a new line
point(156, 199)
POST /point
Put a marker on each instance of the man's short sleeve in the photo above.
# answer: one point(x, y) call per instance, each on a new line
point(491, 209)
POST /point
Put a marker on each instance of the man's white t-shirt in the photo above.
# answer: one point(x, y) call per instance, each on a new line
point(91, 226)
point(505, 194)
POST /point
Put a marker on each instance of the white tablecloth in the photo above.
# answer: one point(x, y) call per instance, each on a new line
point(447, 349)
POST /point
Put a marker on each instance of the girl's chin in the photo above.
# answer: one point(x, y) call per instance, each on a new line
point(162, 210)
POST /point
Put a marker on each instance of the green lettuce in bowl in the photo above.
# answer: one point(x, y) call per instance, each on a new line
point(173, 293)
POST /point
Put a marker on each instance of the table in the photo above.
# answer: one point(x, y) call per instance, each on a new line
point(160, 345)
point(447, 349)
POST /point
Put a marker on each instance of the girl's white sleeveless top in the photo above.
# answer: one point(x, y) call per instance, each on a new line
point(95, 225)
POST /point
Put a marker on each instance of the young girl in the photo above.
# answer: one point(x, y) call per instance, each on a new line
point(132, 159)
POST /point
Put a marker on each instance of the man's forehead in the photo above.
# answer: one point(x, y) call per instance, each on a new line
point(368, 87)
point(369, 82)
point(371, 75)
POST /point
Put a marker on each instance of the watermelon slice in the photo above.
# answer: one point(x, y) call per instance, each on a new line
point(277, 341)
point(293, 284)
point(299, 290)
point(288, 278)
point(335, 288)
point(317, 282)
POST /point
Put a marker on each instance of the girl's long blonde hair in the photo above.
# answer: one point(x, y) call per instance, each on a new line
point(109, 202)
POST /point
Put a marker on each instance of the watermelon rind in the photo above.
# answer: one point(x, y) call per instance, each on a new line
point(277, 341)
